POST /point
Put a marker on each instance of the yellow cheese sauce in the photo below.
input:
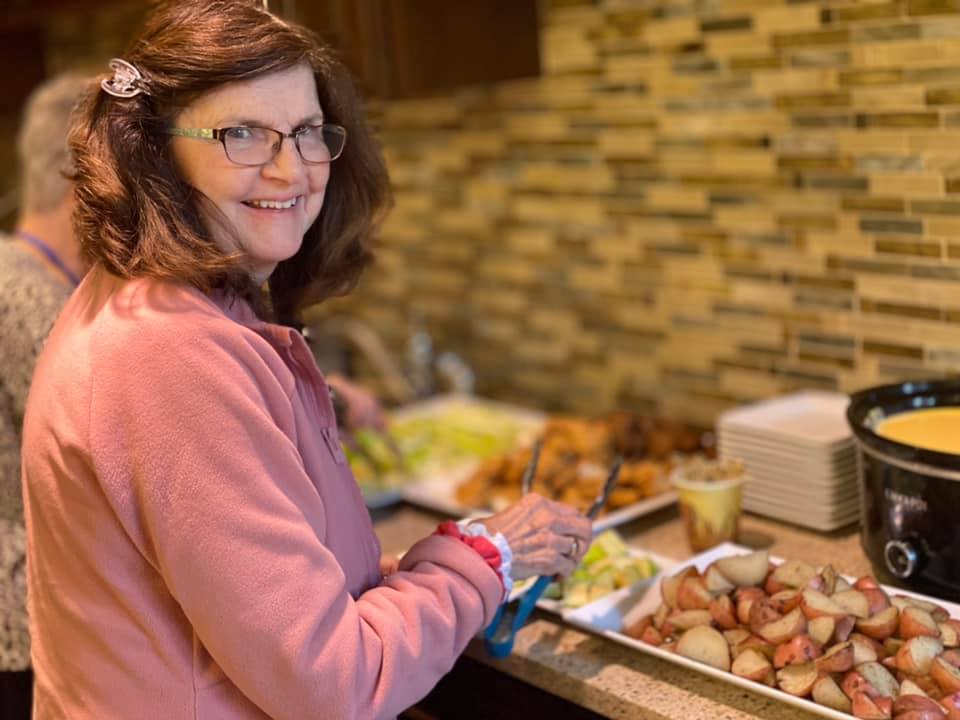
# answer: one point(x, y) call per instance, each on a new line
point(929, 428)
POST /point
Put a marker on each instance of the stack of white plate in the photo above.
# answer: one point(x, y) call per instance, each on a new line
point(799, 456)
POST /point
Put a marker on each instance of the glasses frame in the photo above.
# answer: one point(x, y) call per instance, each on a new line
point(220, 134)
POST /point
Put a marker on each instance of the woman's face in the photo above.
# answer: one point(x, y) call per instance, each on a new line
point(248, 196)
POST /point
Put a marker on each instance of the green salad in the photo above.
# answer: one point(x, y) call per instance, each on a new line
point(608, 565)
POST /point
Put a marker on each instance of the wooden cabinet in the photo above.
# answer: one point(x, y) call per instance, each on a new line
point(417, 48)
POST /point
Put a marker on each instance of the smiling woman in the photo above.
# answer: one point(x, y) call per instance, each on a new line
point(173, 207)
point(265, 191)
point(197, 545)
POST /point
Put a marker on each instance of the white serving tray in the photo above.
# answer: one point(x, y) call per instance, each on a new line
point(605, 617)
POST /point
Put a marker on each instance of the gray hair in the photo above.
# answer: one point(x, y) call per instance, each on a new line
point(42, 142)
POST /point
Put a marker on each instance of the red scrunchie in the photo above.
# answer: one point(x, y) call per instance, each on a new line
point(488, 551)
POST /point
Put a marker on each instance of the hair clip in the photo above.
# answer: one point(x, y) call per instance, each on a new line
point(127, 82)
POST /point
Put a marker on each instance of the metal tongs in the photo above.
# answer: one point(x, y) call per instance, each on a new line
point(500, 634)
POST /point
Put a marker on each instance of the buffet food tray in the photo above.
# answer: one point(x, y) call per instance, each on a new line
point(444, 471)
point(605, 617)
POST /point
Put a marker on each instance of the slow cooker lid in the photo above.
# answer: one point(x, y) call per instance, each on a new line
point(868, 408)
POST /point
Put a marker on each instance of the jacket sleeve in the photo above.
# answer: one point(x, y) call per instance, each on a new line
point(194, 442)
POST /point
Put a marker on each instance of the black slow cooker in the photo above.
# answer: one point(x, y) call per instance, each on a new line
point(910, 497)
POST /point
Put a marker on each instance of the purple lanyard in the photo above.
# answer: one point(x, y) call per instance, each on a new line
point(51, 255)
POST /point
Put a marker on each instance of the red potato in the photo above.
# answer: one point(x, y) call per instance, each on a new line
point(745, 570)
point(635, 630)
point(820, 629)
point(815, 604)
point(692, 594)
point(797, 651)
point(842, 585)
point(797, 679)
point(757, 643)
point(735, 637)
point(853, 682)
point(845, 627)
point(827, 692)
point(762, 613)
point(784, 629)
point(945, 675)
point(917, 654)
point(951, 703)
point(870, 708)
point(754, 665)
point(952, 656)
point(949, 634)
point(917, 707)
point(786, 600)
point(936, 611)
point(794, 574)
point(744, 599)
point(716, 582)
point(854, 602)
point(706, 645)
point(865, 649)
point(880, 679)
point(866, 582)
point(660, 615)
point(670, 585)
point(881, 625)
point(926, 683)
point(723, 613)
point(651, 636)
point(877, 600)
point(892, 645)
point(838, 659)
point(828, 579)
point(915, 622)
point(909, 687)
point(684, 620)
point(771, 586)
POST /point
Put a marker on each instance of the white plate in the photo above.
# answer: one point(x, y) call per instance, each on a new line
point(810, 417)
point(605, 617)
point(797, 478)
point(804, 514)
point(808, 521)
point(439, 494)
point(793, 497)
point(778, 448)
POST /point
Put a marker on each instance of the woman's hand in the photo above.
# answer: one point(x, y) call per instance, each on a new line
point(545, 537)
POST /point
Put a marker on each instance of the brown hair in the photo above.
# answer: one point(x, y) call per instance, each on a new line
point(135, 214)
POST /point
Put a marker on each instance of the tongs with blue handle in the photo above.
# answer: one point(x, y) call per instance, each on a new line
point(500, 633)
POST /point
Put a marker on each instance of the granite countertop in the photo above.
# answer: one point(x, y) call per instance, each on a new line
point(618, 681)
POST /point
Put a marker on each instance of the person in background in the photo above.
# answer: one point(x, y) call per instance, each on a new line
point(196, 544)
point(40, 265)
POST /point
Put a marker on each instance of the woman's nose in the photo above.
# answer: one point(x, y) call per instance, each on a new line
point(287, 164)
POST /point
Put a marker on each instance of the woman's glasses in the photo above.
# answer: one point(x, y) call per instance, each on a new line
point(252, 146)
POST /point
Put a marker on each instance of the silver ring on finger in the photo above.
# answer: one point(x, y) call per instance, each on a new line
point(574, 548)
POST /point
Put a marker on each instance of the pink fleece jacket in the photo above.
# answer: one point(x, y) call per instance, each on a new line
point(197, 546)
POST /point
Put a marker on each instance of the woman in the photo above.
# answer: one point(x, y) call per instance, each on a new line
point(197, 547)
